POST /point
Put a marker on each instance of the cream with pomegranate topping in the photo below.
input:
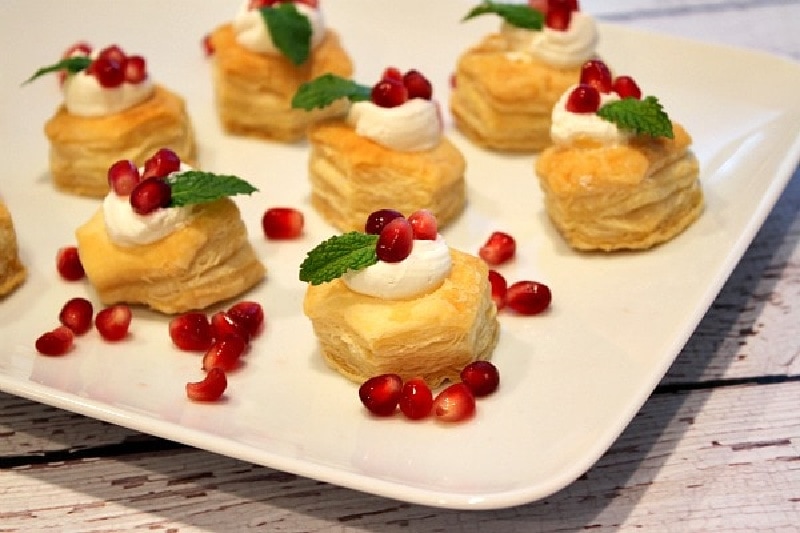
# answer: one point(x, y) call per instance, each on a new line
point(569, 126)
point(85, 96)
point(125, 227)
point(564, 48)
point(412, 126)
point(253, 33)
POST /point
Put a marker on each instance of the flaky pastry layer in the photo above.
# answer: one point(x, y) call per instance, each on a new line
point(12, 271)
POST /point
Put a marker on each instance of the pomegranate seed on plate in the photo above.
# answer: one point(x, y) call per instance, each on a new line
point(113, 322)
point(77, 315)
point(191, 332)
point(378, 219)
point(626, 87)
point(499, 248)
point(481, 377)
point(499, 288)
point(416, 399)
point(224, 353)
point(123, 176)
point(55, 342)
point(381, 394)
point(222, 324)
point(389, 93)
point(395, 241)
point(282, 223)
point(583, 99)
point(557, 19)
point(596, 73)
point(455, 403)
point(424, 225)
point(150, 194)
point(249, 314)
point(210, 389)
point(161, 164)
point(417, 85)
point(135, 68)
point(528, 297)
point(68, 264)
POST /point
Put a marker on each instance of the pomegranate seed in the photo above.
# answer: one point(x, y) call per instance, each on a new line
point(224, 353)
point(528, 297)
point(113, 322)
point(77, 315)
point(395, 241)
point(596, 73)
point(55, 342)
point(135, 69)
point(499, 288)
point(210, 389)
point(583, 99)
point(481, 377)
point(424, 225)
point(282, 223)
point(191, 332)
point(453, 80)
point(208, 45)
point(557, 19)
point(123, 176)
point(499, 248)
point(109, 72)
point(222, 324)
point(417, 85)
point(416, 399)
point(626, 87)
point(377, 220)
point(456, 403)
point(161, 164)
point(566, 5)
point(380, 394)
point(150, 194)
point(389, 93)
point(392, 74)
point(248, 314)
point(68, 264)
point(113, 53)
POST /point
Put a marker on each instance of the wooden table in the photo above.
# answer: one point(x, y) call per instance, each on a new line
point(715, 448)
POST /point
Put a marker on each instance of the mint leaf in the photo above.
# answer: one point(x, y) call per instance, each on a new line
point(643, 117)
point(195, 187)
point(70, 64)
point(332, 258)
point(290, 31)
point(520, 16)
point(324, 90)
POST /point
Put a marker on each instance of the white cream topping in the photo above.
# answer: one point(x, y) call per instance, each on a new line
point(252, 32)
point(567, 126)
point(414, 126)
point(84, 96)
point(422, 271)
point(567, 48)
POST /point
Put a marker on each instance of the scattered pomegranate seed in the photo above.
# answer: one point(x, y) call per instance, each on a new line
point(499, 288)
point(161, 164)
point(149, 195)
point(381, 394)
point(424, 225)
point(528, 297)
point(222, 324)
point(583, 99)
point(77, 315)
point(597, 74)
point(558, 19)
point(395, 241)
point(626, 87)
point(455, 403)
point(135, 69)
point(389, 93)
point(248, 314)
point(416, 399)
point(499, 248)
point(224, 353)
point(68, 264)
point(113, 322)
point(417, 85)
point(210, 389)
point(378, 219)
point(282, 223)
point(481, 377)
point(208, 45)
point(55, 342)
point(191, 332)
point(123, 176)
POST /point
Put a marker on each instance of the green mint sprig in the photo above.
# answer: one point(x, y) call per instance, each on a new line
point(643, 117)
point(290, 31)
point(335, 256)
point(72, 65)
point(324, 90)
point(196, 187)
point(520, 16)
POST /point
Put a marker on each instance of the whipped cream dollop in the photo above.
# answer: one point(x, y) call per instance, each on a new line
point(252, 32)
point(568, 127)
point(414, 126)
point(125, 227)
point(422, 271)
point(567, 48)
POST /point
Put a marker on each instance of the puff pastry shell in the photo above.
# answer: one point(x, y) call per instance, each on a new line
point(433, 336)
point(12, 271)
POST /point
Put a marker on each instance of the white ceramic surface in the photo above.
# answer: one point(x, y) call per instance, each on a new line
point(571, 379)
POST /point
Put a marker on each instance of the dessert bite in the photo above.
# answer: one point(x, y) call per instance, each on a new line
point(12, 271)
point(620, 174)
point(388, 150)
point(505, 86)
point(112, 109)
point(261, 58)
point(397, 299)
point(168, 237)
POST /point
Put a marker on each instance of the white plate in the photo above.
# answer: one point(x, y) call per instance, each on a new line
point(571, 379)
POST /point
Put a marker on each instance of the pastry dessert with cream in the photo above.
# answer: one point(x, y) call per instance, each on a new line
point(397, 299)
point(168, 237)
point(388, 150)
point(505, 86)
point(112, 109)
point(620, 174)
point(261, 58)
point(12, 271)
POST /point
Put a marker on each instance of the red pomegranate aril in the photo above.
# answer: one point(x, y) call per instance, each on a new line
point(381, 394)
point(113, 52)
point(499, 288)
point(68, 264)
point(557, 19)
point(222, 325)
point(566, 5)
point(395, 241)
point(109, 72)
point(224, 353)
point(161, 164)
point(210, 389)
point(248, 314)
point(424, 225)
point(149, 195)
point(113, 322)
point(626, 87)
point(499, 248)
point(481, 377)
point(77, 315)
point(377, 220)
point(389, 93)
point(596, 73)
point(528, 297)
point(282, 223)
point(56, 342)
point(393, 74)
point(135, 68)
point(455, 403)
point(417, 85)
point(416, 399)
point(123, 177)
point(191, 332)
point(208, 45)
point(583, 99)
